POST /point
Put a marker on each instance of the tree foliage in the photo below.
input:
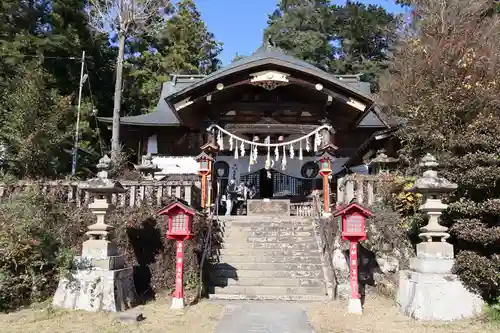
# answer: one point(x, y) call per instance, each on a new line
point(183, 45)
point(343, 39)
point(443, 82)
point(40, 52)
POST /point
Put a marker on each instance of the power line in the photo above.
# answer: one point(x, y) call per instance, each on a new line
point(94, 114)
point(5, 55)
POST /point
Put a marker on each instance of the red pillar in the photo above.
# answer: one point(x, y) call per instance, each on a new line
point(203, 189)
point(326, 194)
point(179, 270)
point(353, 264)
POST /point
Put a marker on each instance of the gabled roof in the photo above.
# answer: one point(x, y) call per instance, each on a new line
point(270, 55)
point(165, 115)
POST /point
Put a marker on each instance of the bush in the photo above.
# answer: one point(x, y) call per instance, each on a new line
point(40, 234)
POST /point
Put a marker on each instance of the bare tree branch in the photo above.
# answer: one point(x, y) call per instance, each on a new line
point(125, 18)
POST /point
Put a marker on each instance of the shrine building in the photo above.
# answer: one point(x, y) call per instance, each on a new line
point(265, 119)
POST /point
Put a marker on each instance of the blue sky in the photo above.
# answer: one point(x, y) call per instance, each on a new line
point(239, 24)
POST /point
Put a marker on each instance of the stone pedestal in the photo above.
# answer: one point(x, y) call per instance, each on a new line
point(96, 289)
point(100, 281)
point(429, 291)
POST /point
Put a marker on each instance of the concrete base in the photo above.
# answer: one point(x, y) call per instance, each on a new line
point(97, 289)
point(177, 303)
point(436, 296)
point(354, 306)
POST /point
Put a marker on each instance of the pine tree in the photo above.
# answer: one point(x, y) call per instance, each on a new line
point(343, 39)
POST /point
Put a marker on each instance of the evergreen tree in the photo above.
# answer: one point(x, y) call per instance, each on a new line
point(350, 39)
point(303, 28)
point(48, 38)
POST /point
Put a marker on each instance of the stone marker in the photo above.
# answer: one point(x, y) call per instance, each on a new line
point(429, 291)
point(100, 280)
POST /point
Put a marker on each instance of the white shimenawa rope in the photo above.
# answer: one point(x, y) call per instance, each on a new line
point(328, 127)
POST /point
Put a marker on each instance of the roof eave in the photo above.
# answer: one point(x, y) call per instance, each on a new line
point(379, 135)
point(108, 120)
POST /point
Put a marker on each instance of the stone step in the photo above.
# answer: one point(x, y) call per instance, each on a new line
point(271, 282)
point(279, 239)
point(269, 290)
point(271, 259)
point(280, 233)
point(243, 273)
point(269, 230)
point(291, 246)
point(292, 298)
point(262, 224)
point(244, 237)
point(269, 218)
point(236, 266)
point(269, 252)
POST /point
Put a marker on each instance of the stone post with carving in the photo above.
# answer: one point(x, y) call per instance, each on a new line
point(100, 281)
point(428, 290)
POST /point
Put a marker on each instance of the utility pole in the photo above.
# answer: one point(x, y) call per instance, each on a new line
point(77, 127)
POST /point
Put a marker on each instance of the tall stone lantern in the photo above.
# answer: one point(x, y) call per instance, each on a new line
point(428, 290)
point(100, 280)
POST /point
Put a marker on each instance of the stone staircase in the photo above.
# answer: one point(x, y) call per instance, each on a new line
point(269, 257)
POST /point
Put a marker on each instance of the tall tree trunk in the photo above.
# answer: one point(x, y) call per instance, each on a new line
point(115, 138)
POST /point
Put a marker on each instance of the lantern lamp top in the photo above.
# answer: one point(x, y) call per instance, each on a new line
point(203, 157)
point(175, 206)
point(353, 207)
point(325, 157)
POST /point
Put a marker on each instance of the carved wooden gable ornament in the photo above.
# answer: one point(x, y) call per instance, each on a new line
point(269, 79)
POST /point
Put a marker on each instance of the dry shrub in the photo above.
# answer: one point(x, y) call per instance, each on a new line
point(41, 233)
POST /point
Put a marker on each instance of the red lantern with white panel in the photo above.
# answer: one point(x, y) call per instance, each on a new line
point(180, 228)
point(353, 230)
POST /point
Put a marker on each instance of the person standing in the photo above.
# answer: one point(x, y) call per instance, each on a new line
point(231, 195)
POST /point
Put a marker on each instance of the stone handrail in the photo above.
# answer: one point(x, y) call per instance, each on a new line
point(138, 191)
point(302, 209)
point(363, 188)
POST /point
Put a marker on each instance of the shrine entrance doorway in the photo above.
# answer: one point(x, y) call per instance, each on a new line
point(266, 185)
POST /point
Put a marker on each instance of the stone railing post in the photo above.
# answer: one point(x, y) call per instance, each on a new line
point(101, 281)
point(428, 290)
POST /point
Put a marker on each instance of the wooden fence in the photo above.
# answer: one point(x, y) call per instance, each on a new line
point(139, 191)
point(364, 188)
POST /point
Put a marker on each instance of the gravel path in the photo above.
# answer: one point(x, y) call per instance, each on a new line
point(263, 317)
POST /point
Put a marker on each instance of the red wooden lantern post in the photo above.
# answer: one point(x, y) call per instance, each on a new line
point(353, 230)
point(205, 161)
point(325, 169)
point(180, 222)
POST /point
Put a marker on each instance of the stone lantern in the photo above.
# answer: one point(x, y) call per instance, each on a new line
point(428, 290)
point(100, 281)
point(382, 163)
point(147, 168)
